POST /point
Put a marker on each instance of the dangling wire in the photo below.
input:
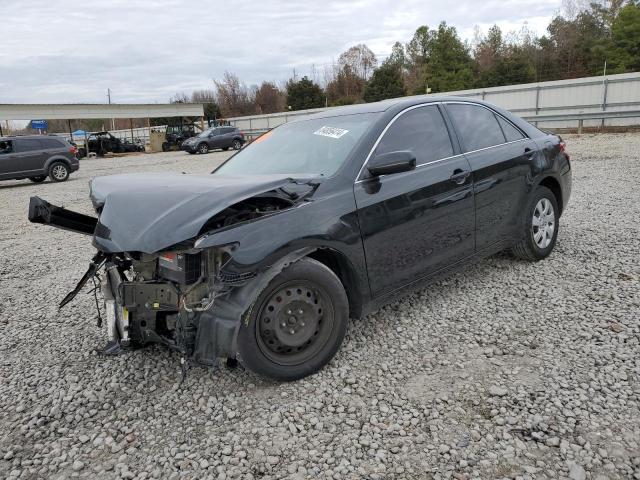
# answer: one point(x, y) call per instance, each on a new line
point(95, 297)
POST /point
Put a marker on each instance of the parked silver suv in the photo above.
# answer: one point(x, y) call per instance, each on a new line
point(37, 157)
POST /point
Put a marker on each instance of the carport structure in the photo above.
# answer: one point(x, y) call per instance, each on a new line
point(95, 110)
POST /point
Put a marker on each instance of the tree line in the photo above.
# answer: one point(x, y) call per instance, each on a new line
point(578, 42)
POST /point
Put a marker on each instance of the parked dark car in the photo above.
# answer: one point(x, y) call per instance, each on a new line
point(102, 143)
point(217, 137)
point(37, 157)
point(132, 146)
point(319, 220)
point(176, 134)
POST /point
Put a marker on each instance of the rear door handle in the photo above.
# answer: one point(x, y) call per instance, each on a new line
point(459, 176)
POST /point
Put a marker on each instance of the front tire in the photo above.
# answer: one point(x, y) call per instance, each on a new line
point(203, 148)
point(297, 323)
point(541, 224)
point(58, 172)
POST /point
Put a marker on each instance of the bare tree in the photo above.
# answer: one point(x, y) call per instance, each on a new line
point(269, 98)
point(233, 96)
point(360, 60)
point(180, 97)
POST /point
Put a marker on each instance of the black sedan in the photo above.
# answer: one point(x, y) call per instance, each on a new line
point(317, 221)
point(217, 137)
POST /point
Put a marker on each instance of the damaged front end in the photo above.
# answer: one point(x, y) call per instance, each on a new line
point(180, 296)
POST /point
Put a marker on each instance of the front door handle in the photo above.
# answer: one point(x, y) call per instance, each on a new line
point(528, 152)
point(459, 176)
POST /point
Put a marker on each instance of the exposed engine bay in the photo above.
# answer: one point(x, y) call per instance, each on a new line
point(183, 296)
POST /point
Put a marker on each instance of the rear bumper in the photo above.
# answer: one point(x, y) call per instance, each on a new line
point(566, 185)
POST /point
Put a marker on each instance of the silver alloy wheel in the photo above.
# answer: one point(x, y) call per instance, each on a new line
point(59, 172)
point(543, 223)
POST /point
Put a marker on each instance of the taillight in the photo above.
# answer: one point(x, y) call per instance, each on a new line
point(73, 150)
point(563, 149)
point(241, 133)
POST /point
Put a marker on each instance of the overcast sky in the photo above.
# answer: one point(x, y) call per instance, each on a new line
point(68, 51)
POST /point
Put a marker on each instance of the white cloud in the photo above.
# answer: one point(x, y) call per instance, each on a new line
point(147, 50)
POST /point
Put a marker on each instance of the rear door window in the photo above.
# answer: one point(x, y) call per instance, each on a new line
point(477, 126)
point(28, 144)
point(51, 143)
point(510, 132)
point(422, 131)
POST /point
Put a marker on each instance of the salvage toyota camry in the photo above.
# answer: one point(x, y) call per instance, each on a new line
point(316, 221)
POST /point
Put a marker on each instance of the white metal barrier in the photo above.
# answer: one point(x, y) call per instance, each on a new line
point(549, 104)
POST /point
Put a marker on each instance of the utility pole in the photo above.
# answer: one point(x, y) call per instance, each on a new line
point(113, 122)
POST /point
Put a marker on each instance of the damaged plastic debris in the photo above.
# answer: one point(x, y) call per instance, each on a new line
point(94, 266)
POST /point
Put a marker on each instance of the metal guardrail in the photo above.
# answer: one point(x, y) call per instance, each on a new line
point(582, 116)
point(579, 117)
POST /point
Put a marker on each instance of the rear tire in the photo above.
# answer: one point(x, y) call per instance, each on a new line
point(237, 144)
point(58, 172)
point(203, 148)
point(297, 323)
point(38, 179)
point(165, 147)
point(541, 224)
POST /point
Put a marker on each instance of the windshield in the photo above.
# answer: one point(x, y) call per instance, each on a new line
point(317, 147)
point(206, 132)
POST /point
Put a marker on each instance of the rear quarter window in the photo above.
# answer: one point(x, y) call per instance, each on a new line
point(52, 143)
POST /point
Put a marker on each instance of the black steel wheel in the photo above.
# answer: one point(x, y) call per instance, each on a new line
point(297, 323)
point(292, 324)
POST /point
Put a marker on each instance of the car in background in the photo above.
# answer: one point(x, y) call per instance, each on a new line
point(216, 137)
point(176, 134)
point(37, 157)
point(102, 143)
point(132, 145)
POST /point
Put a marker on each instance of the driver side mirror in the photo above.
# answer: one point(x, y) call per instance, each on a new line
point(392, 162)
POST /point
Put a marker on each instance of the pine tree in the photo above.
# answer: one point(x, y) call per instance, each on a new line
point(304, 94)
point(386, 82)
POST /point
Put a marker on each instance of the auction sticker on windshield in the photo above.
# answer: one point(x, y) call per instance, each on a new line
point(332, 132)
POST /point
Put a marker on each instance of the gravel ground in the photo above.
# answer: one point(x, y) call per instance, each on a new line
point(505, 370)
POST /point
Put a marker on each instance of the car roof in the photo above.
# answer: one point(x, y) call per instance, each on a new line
point(384, 105)
point(13, 137)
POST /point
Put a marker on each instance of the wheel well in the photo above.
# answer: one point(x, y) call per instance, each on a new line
point(553, 185)
point(343, 269)
point(53, 160)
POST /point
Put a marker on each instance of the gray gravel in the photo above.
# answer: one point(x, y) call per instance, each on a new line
point(505, 370)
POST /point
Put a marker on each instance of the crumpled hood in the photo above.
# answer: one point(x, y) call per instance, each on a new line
point(152, 211)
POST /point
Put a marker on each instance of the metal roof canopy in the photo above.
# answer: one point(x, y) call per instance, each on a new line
point(91, 110)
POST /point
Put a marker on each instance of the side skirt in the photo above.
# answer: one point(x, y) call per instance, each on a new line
point(422, 282)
